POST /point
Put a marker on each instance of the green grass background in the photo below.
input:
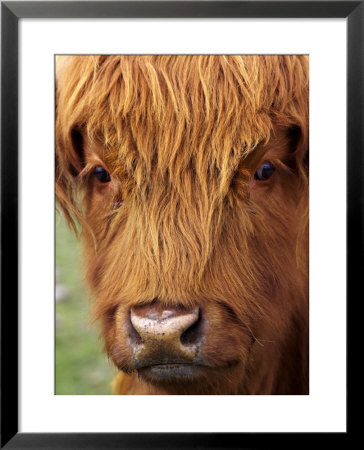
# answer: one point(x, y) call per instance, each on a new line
point(82, 368)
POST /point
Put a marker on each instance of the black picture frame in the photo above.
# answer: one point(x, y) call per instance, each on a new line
point(11, 12)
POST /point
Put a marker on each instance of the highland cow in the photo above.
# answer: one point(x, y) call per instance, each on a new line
point(188, 176)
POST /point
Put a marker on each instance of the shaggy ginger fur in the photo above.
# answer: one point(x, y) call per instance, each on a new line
point(184, 222)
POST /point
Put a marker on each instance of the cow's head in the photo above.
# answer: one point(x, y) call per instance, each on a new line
point(188, 175)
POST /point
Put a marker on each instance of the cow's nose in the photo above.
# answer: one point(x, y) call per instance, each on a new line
point(164, 336)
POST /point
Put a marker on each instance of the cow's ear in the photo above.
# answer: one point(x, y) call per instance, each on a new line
point(77, 151)
point(69, 161)
point(298, 136)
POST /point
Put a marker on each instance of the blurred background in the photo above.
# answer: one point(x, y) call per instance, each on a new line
point(82, 368)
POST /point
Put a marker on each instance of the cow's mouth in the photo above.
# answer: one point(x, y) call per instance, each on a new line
point(182, 373)
point(171, 372)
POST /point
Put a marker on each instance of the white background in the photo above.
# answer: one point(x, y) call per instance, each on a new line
point(324, 408)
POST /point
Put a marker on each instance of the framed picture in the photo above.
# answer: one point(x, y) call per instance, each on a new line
point(32, 416)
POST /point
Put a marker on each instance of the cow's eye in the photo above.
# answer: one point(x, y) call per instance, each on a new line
point(265, 171)
point(101, 174)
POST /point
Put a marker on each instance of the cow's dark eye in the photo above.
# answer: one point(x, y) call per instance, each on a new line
point(265, 171)
point(101, 174)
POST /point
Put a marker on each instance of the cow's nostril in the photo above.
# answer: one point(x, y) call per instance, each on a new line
point(134, 337)
point(193, 334)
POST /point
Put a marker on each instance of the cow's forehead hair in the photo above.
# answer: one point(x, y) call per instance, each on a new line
point(228, 104)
